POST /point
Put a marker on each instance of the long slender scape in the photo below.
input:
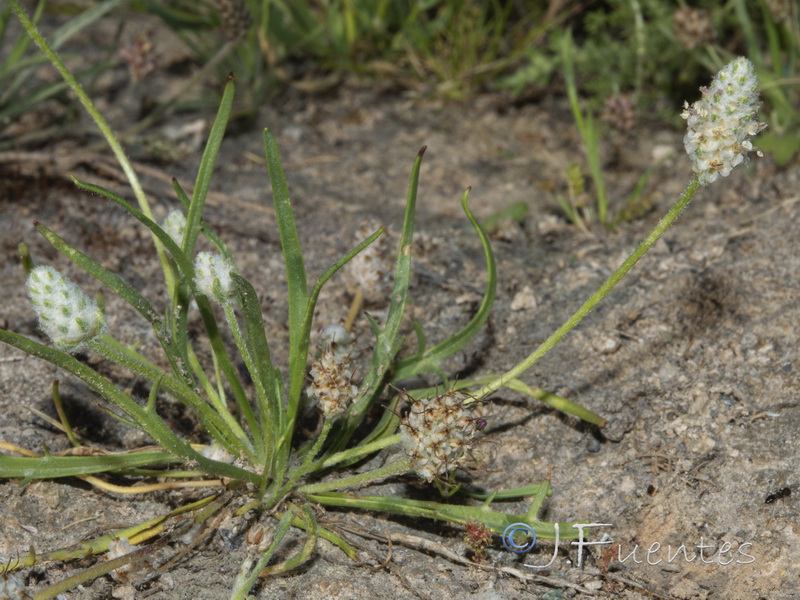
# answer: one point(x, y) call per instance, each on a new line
point(102, 124)
point(594, 299)
point(719, 126)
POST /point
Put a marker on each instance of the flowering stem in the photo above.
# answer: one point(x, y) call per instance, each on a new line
point(102, 124)
point(307, 465)
point(362, 479)
point(265, 438)
point(595, 298)
point(354, 453)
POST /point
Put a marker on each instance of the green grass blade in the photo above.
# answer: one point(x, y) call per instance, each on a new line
point(259, 363)
point(402, 272)
point(22, 42)
point(550, 399)
point(536, 490)
point(80, 22)
point(245, 581)
point(295, 273)
point(323, 279)
point(206, 170)
point(254, 333)
point(429, 360)
point(181, 259)
point(221, 353)
point(52, 467)
point(148, 421)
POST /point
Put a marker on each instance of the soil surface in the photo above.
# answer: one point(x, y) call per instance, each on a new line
point(693, 359)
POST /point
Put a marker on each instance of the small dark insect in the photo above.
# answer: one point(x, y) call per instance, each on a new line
point(775, 496)
point(480, 424)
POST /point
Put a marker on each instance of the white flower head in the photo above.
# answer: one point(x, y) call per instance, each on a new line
point(213, 276)
point(720, 123)
point(215, 451)
point(175, 226)
point(67, 315)
point(118, 547)
point(337, 338)
point(12, 586)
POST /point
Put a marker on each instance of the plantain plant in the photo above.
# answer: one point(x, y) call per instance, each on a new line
point(258, 464)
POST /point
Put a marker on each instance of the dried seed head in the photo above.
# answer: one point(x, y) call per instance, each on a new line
point(781, 10)
point(140, 57)
point(720, 123)
point(692, 27)
point(234, 18)
point(620, 113)
point(259, 537)
point(68, 316)
point(332, 373)
point(436, 433)
point(213, 276)
point(371, 269)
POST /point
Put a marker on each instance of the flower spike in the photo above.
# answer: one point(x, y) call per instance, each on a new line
point(720, 123)
point(66, 314)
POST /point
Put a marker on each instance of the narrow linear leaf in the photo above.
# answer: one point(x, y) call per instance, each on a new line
point(430, 359)
point(387, 344)
point(148, 422)
point(260, 361)
point(80, 22)
point(206, 170)
point(51, 467)
point(297, 285)
point(550, 399)
point(323, 279)
point(181, 259)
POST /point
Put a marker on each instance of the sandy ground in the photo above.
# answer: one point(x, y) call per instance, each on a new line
point(693, 359)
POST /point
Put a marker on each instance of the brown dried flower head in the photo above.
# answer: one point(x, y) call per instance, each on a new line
point(332, 373)
point(436, 433)
point(692, 27)
point(620, 113)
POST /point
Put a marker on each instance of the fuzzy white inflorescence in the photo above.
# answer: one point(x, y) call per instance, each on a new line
point(175, 226)
point(332, 373)
point(12, 586)
point(117, 547)
point(210, 267)
point(720, 123)
point(436, 433)
point(67, 315)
